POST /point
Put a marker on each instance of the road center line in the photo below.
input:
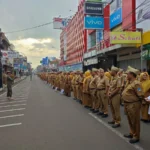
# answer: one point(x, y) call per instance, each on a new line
point(12, 105)
point(10, 125)
point(13, 102)
point(12, 116)
point(9, 110)
point(115, 131)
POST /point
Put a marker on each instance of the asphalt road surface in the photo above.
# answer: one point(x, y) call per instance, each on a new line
point(41, 119)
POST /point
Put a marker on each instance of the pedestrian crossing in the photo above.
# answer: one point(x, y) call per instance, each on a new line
point(13, 111)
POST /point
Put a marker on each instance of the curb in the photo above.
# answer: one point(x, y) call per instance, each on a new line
point(17, 82)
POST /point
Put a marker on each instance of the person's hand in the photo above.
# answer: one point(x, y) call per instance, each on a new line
point(109, 94)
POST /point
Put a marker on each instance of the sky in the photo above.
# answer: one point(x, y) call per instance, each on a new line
point(40, 42)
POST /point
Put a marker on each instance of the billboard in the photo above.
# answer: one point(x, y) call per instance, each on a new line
point(125, 37)
point(93, 8)
point(93, 22)
point(60, 23)
point(116, 18)
point(143, 14)
point(115, 5)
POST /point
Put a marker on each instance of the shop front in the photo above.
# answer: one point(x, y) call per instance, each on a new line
point(146, 55)
point(73, 67)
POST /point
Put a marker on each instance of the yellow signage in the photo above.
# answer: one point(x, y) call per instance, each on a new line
point(125, 37)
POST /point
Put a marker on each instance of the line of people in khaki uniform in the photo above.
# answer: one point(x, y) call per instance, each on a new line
point(96, 90)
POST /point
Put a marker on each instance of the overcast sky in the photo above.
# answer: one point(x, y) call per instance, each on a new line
point(20, 14)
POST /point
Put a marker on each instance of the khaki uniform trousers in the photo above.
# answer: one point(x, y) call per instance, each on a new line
point(78, 92)
point(133, 115)
point(95, 101)
point(103, 101)
point(115, 108)
point(144, 112)
point(87, 100)
point(75, 91)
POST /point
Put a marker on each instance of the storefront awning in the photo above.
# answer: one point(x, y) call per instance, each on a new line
point(115, 47)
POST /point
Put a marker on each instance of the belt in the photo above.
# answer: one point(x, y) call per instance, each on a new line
point(93, 89)
point(100, 89)
point(131, 102)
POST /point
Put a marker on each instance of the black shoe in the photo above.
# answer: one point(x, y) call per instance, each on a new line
point(132, 141)
point(100, 113)
point(122, 104)
point(95, 111)
point(91, 109)
point(145, 121)
point(116, 126)
point(80, 102)
point(128, 136)
point(111, 122)
point(86, 107)
point(105, 116)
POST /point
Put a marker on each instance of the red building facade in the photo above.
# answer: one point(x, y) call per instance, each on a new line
point(76, 39)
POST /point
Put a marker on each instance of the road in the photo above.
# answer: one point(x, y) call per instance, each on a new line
point(41, 119)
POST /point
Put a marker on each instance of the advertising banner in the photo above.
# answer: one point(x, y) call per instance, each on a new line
point(12, 54)
point(143, 14)
point(116, 18)
point(60, 23)
point(93, 8)
point(125, 37)
point(94, 22)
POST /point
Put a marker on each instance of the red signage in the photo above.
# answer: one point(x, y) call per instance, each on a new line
point(128, 14)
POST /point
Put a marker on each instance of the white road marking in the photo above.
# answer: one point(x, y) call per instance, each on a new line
point(10, 125)
point(12, 116)
point(16, 99)
point(115, 131)
point(9, 110)
point(13, 102)
point(12, 105)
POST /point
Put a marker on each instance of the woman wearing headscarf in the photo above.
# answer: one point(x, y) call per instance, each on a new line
point(86, 92)
point(145, 81)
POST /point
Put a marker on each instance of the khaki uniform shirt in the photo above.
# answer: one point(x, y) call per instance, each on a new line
point(115, 83)
point(133, 92)
point(93, 83)
point(102, 83)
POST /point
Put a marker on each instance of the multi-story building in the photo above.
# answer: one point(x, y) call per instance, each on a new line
point(73, 41)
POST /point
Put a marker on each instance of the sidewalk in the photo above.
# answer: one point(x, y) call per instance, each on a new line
point(2, 90)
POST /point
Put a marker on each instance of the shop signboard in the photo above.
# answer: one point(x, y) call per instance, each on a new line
point(125, 37)
point(92, 8)
point(60, 23)
point(99, 36)
point(16, 66)
point(93, 22)
point(116, 18)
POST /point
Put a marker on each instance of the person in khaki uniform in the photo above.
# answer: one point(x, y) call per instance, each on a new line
point(81, 87)
point(68, 85)
point(114, 96)
point(145, 81)
point(102, 93)
point(77, 85)
point(123, 78)
point(93, 87)
point(133, 96)
point(73, 85)
point(87, 103)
